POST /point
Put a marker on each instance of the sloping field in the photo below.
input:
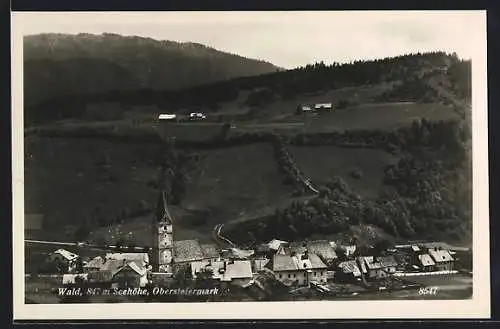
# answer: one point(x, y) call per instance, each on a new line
point(76, 179)
point(233, 181)
point(323, 163)
point(378, 116)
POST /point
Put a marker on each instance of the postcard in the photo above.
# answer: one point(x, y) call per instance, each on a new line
point(250, 165)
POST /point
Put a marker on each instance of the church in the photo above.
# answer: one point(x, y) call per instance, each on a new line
point(166, 252)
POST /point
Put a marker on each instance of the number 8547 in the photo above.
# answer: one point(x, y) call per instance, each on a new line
point(427, 291)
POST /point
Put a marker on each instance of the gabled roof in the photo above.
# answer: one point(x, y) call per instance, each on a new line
point(440, 255)
point(140, 270)
point(162, 213)
point(426, 260)
point(295, 263)
point(322, 248)
point(66, 254)
point(96, 262)
point(138, 257)
point(187, 250)
point(387, 261)
point(113, 266)
point(371, 264)
point(350, 266)
point(275, 244)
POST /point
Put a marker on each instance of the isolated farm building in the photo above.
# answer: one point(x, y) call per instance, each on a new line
point(66, 257)
point(237, 272)
point(197, 116)
point(298, 269)
point(167, 117)
point(304, 109)
point(444, 261)
point(323, 107)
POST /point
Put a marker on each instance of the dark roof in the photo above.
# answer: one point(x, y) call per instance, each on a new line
point(187, 250)
point(322, 248)
point(33, 221)
point(162, 213)
point(387, 261)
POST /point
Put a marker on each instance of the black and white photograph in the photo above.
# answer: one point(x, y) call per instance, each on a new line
point(312, 164)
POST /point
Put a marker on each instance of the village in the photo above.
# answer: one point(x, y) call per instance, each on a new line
point(316, 269)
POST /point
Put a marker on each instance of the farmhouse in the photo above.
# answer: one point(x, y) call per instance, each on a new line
point(298, 270)
point(322, 248)
point(197, 116)
point(348, 271)
point(323, 107)
point(237, 272)
point(167, 117)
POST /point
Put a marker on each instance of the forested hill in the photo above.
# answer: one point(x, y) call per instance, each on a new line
point(411, 75)
point(62, 64)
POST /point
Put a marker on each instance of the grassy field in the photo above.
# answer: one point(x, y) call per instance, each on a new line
point(234, 181)
point(322, 163)
point(70, 180)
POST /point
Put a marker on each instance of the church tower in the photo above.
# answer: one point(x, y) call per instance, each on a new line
point(162, 253)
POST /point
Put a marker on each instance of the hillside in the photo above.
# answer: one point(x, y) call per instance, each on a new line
point(61, 64)
point(393, 154)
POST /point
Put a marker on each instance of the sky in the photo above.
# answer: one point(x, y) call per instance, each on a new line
point(287, 39)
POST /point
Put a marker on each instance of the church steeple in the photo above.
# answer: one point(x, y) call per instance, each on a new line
point(162, 213)
point(163, 241)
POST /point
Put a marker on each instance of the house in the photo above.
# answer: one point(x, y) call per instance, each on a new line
point(373, 267)
point(74, 278)
point(348, 271)
point(238, 272)
point(304, 109)
point(93, 265)
point(258, 264)
point(130, 275)
point(322, 248)
point(388, 264)
point(426, 263)
point(276, 244)
point(139, 258)
point(443, 259)
point(298, 269)
point(66, 257)
point(167, 117)
point(197, 116)
point(323, 106)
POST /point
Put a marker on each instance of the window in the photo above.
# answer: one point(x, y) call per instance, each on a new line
point(280, 276)
point(294, 275)
point(289, 275)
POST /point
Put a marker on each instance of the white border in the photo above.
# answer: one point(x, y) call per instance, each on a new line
point(477, 307)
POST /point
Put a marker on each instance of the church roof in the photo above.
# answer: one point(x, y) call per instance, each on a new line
point(162, 213)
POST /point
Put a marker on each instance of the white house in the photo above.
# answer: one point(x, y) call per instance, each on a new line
point(197, 116)
point(298, 269)
point(323, 106)
point(237, 272)
point(65, 256)
point(167, 117)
